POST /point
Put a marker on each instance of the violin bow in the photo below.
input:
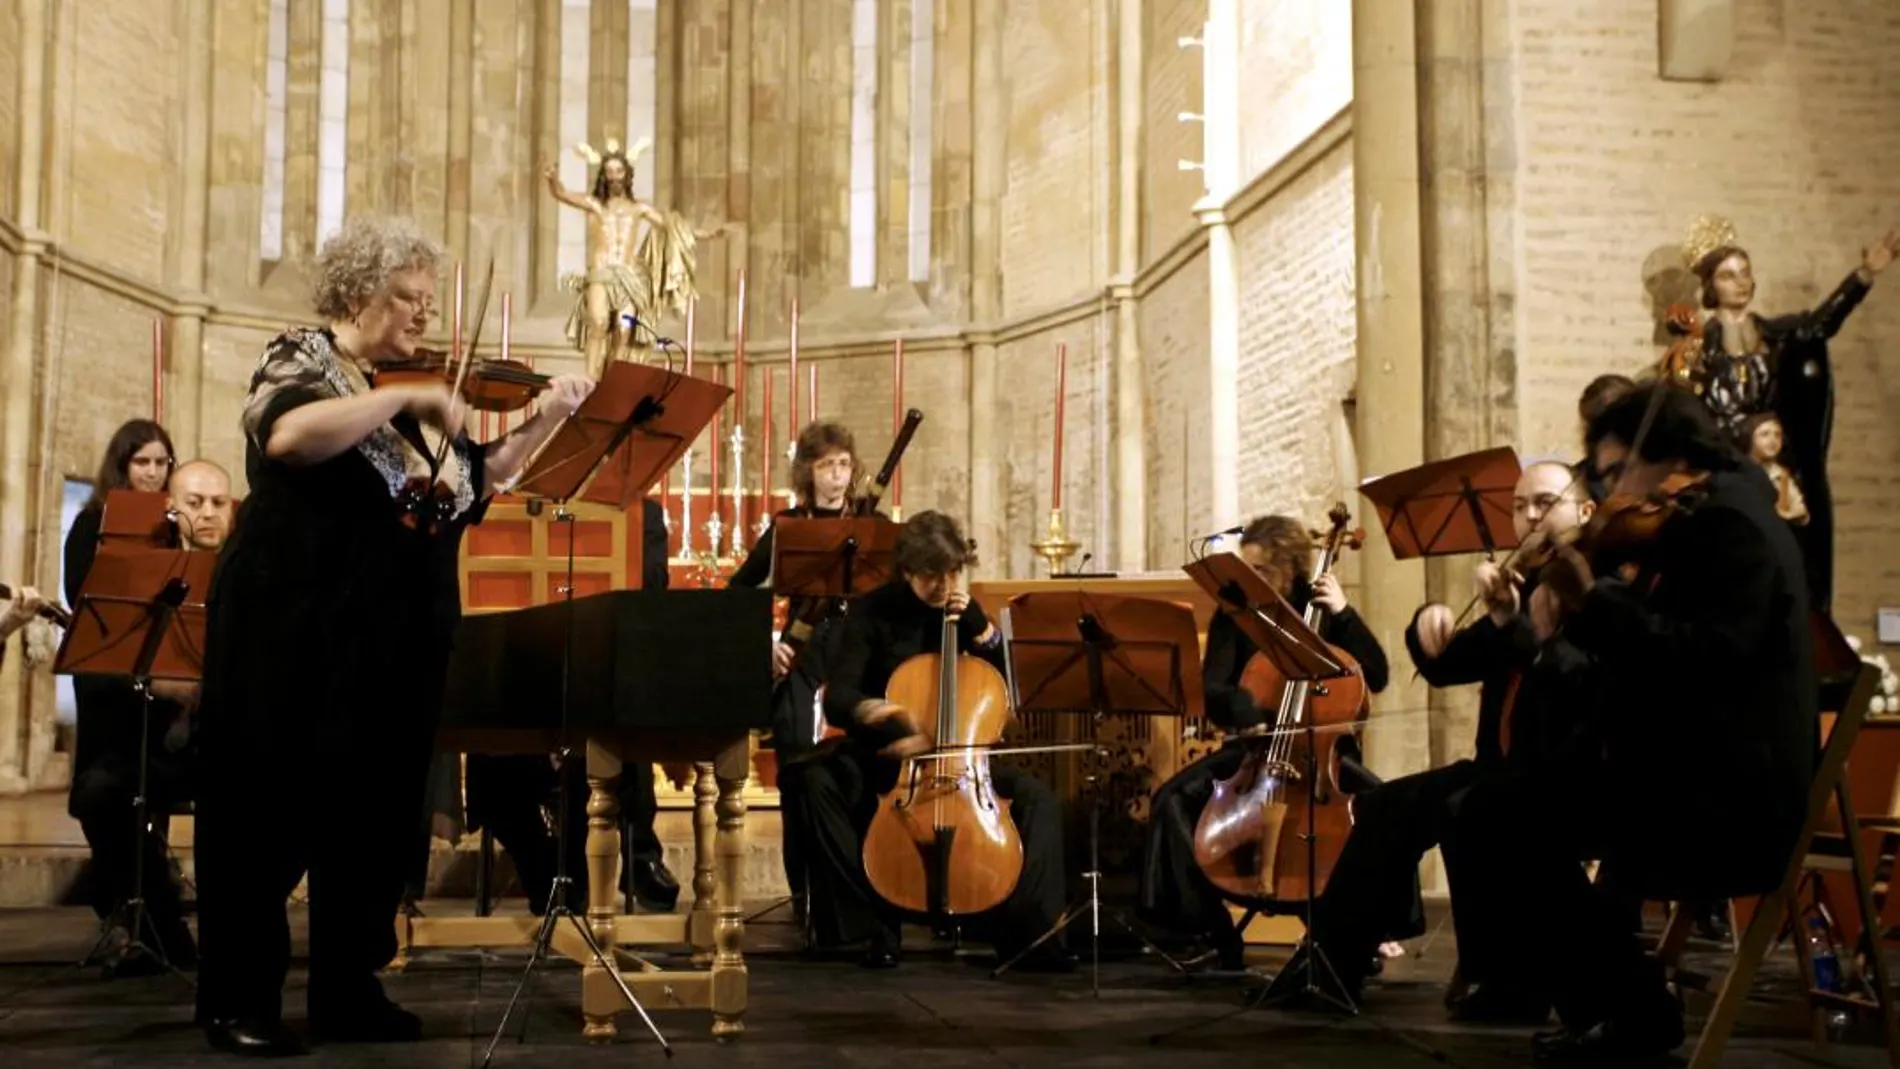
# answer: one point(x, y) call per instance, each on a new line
point(463, 358)
point(1642, 432)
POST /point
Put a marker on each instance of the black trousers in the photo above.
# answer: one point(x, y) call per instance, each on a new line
point(505, 796)
point(1522, 841)
point(268, 814)
point(102, 801)
point(1372, 895)
point(1175, 894)
point(839, 793)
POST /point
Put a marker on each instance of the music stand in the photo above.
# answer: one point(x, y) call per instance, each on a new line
point(1074, 651)
point(635, 424)
point(1284, 638)
point(832, 558)
point(1458, 505)
point(134, 619)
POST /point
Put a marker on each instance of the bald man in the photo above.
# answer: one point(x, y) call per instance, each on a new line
point(201, 501)
point(1368, 898)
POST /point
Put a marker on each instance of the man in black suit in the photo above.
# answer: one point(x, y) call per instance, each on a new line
point(1705, 700)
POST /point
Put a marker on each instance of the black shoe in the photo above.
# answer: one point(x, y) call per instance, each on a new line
point(654, 887)
point(254, 1038)
point(884, 952)
point(368, 1021)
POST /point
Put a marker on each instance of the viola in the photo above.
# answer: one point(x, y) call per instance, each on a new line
point(942, 843)
point(489, 385)
point(1625, 527)
point(49, 610)
point(1250, 839)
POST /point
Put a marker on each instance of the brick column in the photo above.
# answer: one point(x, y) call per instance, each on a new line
point(1391, 382)
point(17, 512)
point(988, 450)
point(191, 192)
point(1130, 459)
point(1220, 169)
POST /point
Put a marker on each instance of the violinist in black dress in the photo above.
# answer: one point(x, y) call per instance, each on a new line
point(881, 631)
point(1175, 894)
point(328, 634)
point(1706, 652)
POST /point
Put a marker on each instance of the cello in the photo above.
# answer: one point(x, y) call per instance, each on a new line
point(942, 843)
point(1250, 839)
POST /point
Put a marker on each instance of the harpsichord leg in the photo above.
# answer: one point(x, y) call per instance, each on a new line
point(600, 996)
point(728, 964)
point(700, 922)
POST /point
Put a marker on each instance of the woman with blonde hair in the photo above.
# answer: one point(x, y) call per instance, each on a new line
point(328, 634)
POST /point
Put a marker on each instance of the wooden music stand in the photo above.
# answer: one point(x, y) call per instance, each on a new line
point(631, 429)
point(1073, 651)
point(139, 517)
point(638, 420)
point(134, 619)
point(1264, 616)
point(1458, 505)
point(832, 558)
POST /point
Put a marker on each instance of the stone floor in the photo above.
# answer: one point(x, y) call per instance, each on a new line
point(937, 1010)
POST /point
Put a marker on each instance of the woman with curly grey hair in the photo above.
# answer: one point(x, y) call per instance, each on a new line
point(327, 638)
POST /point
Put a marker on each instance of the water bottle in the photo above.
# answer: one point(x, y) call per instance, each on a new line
point(1827, 964)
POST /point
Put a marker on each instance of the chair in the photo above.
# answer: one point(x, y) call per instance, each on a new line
point(1830, 785)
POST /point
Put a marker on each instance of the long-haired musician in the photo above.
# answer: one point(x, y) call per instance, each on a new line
point(1175, 894)
point(328, 635)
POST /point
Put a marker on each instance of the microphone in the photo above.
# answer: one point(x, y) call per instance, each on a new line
point(1086, 557)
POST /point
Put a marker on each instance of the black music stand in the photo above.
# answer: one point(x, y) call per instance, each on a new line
point(1073, 651)
point(133, 620)
point(637, 421)
point(1283, 637)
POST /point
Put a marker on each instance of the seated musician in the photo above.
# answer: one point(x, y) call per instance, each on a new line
point(1706, 700)
point(1368, 896)
point(841, 788)
point(506, 793)
point(106, 760)
point(825, 469)
point(1175, 894)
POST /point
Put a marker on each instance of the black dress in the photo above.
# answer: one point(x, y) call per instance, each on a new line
point(106, 775)
point(840, 789)
point(1175, 894)
point(328, 635)
point(1706, 699)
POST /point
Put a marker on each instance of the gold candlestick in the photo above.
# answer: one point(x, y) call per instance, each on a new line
point(1055, 547)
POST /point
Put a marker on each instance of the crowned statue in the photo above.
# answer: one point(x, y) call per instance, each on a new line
point(1744, 365)
point(634, 274)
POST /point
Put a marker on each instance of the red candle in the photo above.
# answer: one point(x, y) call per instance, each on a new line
point(712, 487)
point(738, 362)
point(158, 369)
point(765, 449)
point(1062, 389)
point(814, 391)
point(897, 416)
point(791, 384)
point(690, 305)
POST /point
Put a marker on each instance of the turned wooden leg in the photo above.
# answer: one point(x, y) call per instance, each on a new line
point(600, 996)
point(728, 963)
point(700, 922)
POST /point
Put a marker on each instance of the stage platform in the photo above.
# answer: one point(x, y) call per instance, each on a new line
point(43, 853)
point(937, 1009)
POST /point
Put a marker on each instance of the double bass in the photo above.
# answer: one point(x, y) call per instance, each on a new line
point(1250, 840)
point(942, 843)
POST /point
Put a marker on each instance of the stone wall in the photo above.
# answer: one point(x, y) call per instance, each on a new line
point(1795, 147)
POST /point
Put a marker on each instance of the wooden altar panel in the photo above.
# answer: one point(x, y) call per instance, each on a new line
point(1143, 751)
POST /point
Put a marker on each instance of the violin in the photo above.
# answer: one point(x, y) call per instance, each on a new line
point(489, 385)
point(942, 843)
point(48, 610)
point(1250, 840)
point(1622, 532)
